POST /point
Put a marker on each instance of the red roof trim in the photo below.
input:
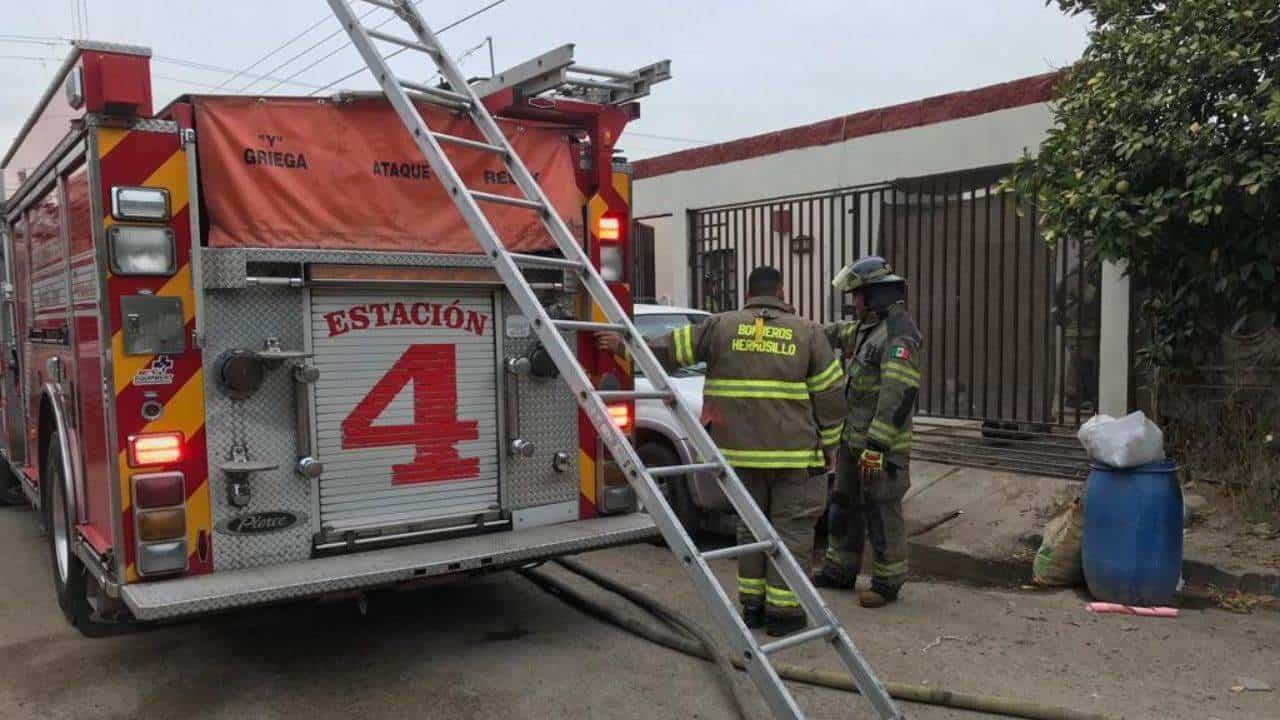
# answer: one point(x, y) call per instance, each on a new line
point(940, 108)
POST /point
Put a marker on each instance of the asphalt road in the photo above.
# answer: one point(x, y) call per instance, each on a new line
point(497, 646)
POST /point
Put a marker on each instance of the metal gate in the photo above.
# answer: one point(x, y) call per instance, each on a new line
point(1010, 324)
point(643, 271)
point(406, 408)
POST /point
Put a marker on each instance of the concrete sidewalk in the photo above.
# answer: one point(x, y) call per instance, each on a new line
point(1001, 520)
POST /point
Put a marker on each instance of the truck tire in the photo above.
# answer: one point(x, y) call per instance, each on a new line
point(10, 486)
point(70, 577)
point(675, 489)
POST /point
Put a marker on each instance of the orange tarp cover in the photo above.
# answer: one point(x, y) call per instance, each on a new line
point(312, 173)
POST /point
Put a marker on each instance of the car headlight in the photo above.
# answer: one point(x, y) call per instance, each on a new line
point(141, 250)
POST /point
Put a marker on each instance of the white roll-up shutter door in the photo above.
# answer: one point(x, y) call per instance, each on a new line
point(406, 406)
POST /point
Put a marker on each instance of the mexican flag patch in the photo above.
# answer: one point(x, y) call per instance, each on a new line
point(899, 352)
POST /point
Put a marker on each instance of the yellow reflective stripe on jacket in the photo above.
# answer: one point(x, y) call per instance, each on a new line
point(900, 372)
point(773, 458)
point(825, 379)
point(779, 597)
point(763, 389)
point(887, 569)
point(831, 435)
point(750, 586)
point(882, 432)
point(682, 344)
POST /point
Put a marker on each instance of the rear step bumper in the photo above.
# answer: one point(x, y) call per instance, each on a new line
point(309, 578)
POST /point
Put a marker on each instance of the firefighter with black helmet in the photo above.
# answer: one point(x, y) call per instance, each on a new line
point(774, 405)
point(882, 351)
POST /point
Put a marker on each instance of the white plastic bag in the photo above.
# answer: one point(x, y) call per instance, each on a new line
point(1125, 442)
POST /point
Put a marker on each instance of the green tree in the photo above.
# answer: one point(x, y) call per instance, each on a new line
point(1166, 155)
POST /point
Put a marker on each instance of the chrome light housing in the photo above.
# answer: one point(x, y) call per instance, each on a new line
point(140, 203)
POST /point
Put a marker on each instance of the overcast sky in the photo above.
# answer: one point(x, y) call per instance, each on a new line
point(740, 66)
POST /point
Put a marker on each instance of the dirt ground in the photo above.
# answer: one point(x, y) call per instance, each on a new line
point(496, 646)
point(1218, 534)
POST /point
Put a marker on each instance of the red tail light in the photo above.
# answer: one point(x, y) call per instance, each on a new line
point(158, 490)
point(609, 231)
point(610, 228)
point(621, 415)
point(155, 449)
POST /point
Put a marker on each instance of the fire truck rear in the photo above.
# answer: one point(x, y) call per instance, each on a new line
point(251, 354)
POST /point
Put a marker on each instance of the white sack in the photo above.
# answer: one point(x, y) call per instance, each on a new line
point(1125, 442)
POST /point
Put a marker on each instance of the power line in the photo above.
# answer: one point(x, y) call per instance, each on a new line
point(35, 38)
point(218, 68)
point(313, 46)
point(24, 41)
point(264, 58)
point(30, 57)
point(57, 41)
point(75, 18)
point(450, 26)
point(186, 81)
point(335, 51)
point(672, 138)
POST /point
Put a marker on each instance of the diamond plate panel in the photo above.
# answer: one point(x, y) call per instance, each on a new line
point(256, 586)
point(548, 418)
point(263, 422)
point(223, 269)
point(226, 267)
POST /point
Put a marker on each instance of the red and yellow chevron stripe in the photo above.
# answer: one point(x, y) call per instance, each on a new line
point(156, 159)
point(615, 198)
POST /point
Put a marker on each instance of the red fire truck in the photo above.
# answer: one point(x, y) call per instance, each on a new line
point(251, 354)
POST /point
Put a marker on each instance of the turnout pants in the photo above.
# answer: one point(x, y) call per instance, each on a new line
point(857, 513)
point(792, 500)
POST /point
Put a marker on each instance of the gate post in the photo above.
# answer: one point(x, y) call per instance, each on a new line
point(1113, 341)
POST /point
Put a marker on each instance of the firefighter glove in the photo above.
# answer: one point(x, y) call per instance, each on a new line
point(871, 466)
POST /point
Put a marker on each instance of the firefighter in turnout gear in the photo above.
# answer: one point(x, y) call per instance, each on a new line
point(773, 403)
point(882, 350)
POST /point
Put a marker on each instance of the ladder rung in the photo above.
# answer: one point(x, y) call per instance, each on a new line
point(799, 638)
point(441, 93)
point(384, 4)
point(507, 200)
point(600, 85)
point(402, 42)
point(612, 395)
point(603, 72)
point(740, 550)
point(670, 470)
point(541, 261)
point(469, 143)
point(589, 326)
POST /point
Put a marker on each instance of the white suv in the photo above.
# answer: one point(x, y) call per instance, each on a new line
point(697, 500)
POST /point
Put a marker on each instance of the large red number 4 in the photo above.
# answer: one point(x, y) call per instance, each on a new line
point(436, 429)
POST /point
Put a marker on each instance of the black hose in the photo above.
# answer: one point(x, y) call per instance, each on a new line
point(668, 640)
point(1010, 707)
point(672, 618)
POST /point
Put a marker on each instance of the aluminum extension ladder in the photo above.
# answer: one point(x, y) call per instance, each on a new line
point(461, 97)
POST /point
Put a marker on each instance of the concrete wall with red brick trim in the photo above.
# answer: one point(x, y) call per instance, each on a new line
point(959, 131)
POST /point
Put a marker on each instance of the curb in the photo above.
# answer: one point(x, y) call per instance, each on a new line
point(1201, 573)
point(939, 562)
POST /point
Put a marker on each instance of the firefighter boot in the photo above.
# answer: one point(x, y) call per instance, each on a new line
point(872, 599)
point(779, 625)
point(830, 576)
point(753, 615)
point(878, 596)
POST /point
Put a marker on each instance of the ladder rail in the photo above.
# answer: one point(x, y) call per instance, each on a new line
point(593, 405)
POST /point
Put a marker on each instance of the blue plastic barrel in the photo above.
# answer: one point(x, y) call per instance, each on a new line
point(1133, 533)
